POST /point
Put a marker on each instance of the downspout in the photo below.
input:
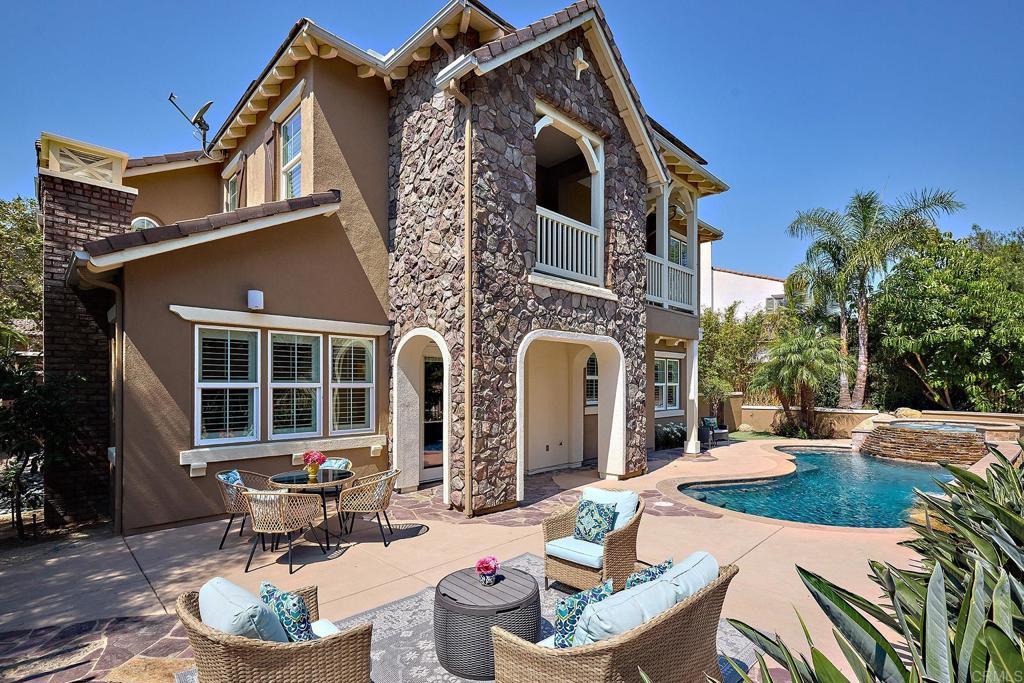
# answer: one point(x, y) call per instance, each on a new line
point(467, 256)
point(118, 379)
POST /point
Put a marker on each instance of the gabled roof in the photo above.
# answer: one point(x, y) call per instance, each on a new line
point(586, 14)
point(114, 251)
point(140, 162)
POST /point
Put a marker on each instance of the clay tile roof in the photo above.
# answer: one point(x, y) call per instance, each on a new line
point(215, 221)
point(139, 162)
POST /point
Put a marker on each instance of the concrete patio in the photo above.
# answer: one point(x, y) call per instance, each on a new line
point(87, 585)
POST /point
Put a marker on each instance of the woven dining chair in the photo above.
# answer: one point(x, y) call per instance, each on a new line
point(279, 513)
point(369, 494)
point(234, 502)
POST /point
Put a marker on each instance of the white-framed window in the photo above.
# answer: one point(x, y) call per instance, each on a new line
point(677, 250)
point(291, 155)
point(227, 385)
point(666, 383)
point(144, 223)
point(295, 385)
point(773, 303)
point(352, 385)
point(231, 193)
point(590, 380)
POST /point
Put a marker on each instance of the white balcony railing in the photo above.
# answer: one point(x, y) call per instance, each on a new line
point(568, 248)
point(670, 284)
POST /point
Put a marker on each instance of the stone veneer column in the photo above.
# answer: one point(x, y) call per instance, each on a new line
point(76, 339)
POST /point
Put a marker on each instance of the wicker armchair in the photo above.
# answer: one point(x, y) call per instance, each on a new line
point(677, 646)
point(619, 553)
point(234, 501)
point(220, 658)
point(369, 494)
point(277, 513)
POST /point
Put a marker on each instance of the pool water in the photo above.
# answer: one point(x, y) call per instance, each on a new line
point(833, 487)
point(937, 426)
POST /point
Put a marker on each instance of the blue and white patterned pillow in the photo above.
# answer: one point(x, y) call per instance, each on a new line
point(231, 477)
point(290, 608)
point(593, 521)
point(648, 573)
point(568, 611)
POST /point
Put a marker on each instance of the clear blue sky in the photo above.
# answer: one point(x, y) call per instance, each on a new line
point(795, 104)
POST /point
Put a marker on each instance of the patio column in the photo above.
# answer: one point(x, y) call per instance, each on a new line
point(661, 216)
point(691, 248)
point(692, 440)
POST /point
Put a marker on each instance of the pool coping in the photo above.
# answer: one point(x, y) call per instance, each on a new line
point(782, 465)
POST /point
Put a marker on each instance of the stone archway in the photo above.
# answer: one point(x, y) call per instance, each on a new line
point(611, 434)
point(407, 412)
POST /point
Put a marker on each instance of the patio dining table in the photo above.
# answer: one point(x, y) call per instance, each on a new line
point(297, 481)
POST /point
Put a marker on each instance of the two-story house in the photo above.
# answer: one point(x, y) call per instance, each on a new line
point(472, 258)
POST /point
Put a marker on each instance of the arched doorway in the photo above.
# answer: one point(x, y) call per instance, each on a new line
point(551, 378)
point(422, 409)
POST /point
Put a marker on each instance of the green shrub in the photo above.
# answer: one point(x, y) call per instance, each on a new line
point(671, 435)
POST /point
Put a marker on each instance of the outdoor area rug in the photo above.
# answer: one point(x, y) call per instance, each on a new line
point(403, 635)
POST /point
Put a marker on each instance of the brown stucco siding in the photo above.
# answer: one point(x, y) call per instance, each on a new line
point(507, 306)
point(305, 269)
point(652, 419)
point(172, 196)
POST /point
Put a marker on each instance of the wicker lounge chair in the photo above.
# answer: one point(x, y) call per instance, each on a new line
point(677, 646)
point(619, 553)
point(277, 513)
point(234, 501)
point(221, 658)
point(369, 494)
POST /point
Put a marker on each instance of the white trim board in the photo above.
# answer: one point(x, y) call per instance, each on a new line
point(168, 166)
point(554, 282)
point(220, 316)
point(87, 181)
point(198, 458)
point(98, 264)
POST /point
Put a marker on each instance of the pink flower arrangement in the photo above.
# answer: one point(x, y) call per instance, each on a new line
point(487, 565)
point(314, 458)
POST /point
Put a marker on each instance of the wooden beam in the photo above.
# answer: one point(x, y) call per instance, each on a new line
point(256, 106)
point(299, 53)
point(310, 42)
point(399, 72)
point(467, 14)
point(449, 31)
point(245, 119)
point(328, 52)
point(269, 91)
point(237, 131)
point(227, 143)
point(492, 34)
point(388, 83)
point(421, 54)
point(364, 71)
point(284, 73)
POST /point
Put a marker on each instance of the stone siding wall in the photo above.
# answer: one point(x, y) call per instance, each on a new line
point(76, 339)
point(425, 175)
point(507, 307)
point(963, 448)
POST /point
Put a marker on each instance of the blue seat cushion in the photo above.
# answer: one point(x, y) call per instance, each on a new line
point(623, 611)
point(548, 642)
point(337, 464)
point(593, 521)
point(323, 628)
point(692, 574)
point(229, 608)
point(290, 609)
point(625, 502)
point(574, 550)
point(568, 611)
point(231, 477)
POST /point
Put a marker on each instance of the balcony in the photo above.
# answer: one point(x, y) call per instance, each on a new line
point(568, 248)
point(669, 284)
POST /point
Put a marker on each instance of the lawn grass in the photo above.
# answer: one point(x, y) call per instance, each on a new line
point(751, 436)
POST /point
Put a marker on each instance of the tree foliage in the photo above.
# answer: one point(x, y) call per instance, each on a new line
point(21, 264)
point(730, 350)
point(952, 317)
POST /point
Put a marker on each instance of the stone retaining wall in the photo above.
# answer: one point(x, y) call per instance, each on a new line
point(963, 448)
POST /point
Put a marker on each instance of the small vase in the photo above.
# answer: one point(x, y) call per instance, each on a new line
point(488, 579)
point(312, 470)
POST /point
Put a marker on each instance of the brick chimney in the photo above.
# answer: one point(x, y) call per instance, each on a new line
point(81, 198)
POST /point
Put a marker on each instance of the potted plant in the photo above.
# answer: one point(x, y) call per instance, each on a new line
point(313, 460)
point(487, 569)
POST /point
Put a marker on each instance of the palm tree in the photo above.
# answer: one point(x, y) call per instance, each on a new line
point(798, 364)
point(849, 249)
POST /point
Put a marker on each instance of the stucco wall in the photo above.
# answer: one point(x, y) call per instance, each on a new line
point(748, 290)
point(842, 421)
point(653, 417)
point(548, 429)
point(172, 196)
point(305, 269)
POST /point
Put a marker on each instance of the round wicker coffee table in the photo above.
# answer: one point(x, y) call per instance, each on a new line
point(465, 610)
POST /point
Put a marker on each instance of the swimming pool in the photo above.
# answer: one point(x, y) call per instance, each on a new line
point(938, 426)
point(830, 486)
